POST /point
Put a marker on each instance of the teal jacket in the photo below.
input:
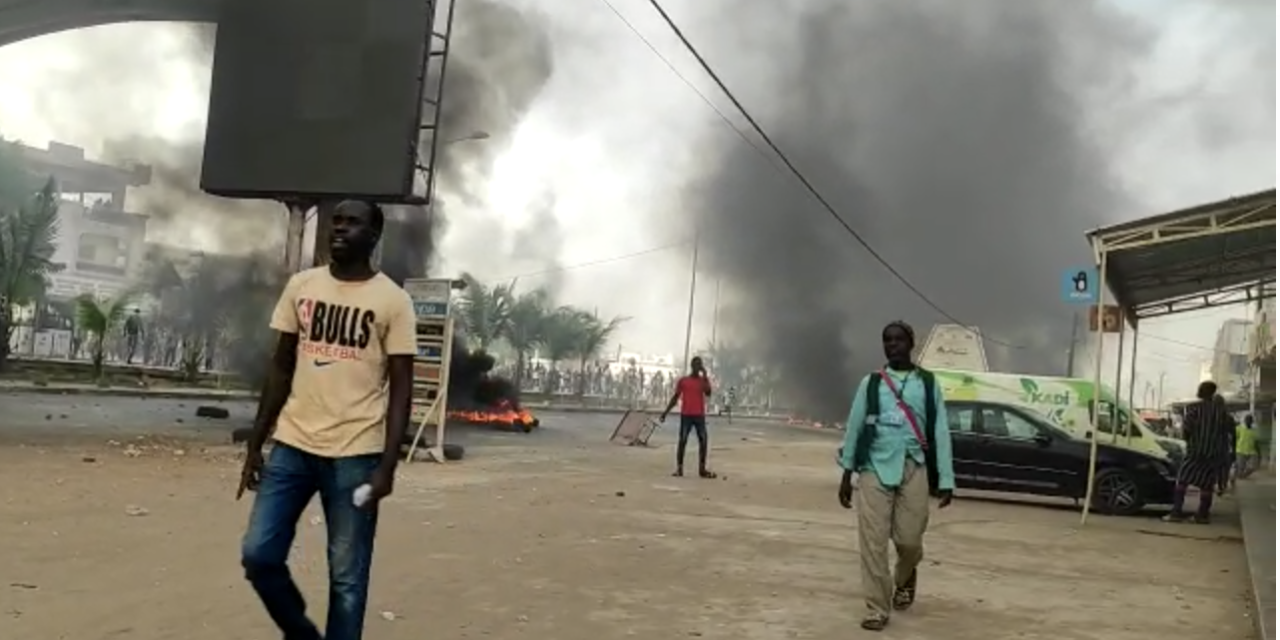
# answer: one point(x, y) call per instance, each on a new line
point(895, 440)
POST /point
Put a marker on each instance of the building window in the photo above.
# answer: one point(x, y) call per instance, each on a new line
point(1237, 364)
point(102, 253)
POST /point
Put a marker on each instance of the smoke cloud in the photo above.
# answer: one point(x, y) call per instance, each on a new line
point(952, 136)
point(500, 60)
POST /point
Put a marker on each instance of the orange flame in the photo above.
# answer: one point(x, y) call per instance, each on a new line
point(504, 413)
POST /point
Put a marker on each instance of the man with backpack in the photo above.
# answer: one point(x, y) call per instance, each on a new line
point(898, 443)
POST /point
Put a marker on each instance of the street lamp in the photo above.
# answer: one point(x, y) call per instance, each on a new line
point(474, 135)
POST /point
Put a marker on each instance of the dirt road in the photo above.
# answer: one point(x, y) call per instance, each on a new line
point(551, 537)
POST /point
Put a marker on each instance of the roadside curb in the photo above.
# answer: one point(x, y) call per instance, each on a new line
point(212, 395)
point(1258, 524)
point(114, 392)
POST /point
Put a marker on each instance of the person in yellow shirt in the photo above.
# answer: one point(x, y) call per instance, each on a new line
point(336, 403)
point(1247, 453)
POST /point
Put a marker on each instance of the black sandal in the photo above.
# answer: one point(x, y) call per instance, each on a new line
point(708, 475)
point(678, 474)
point(875, 622)
point(905, 595)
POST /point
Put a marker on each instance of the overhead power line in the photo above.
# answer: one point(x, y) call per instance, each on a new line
point(801, 177)
point(590, 263)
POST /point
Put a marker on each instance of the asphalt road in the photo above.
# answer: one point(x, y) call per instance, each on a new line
point(31, 416)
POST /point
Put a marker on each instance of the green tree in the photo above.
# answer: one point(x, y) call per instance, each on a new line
point(527, 326)
point(28, 237)
point(562, 333)
point(486, 312)
point(592, 336)
point(99, 319)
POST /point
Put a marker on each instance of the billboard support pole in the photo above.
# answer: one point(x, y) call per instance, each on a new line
point(1099, 251)
point(1114, 414)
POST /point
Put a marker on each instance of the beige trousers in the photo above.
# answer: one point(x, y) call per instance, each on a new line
point(899, 514)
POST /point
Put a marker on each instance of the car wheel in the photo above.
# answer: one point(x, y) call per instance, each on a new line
point(1116, 492)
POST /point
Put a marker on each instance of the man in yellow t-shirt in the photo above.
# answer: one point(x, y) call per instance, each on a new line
point(1247, 453)
point(337, 398)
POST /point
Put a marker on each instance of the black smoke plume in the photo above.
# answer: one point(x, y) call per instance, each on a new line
point(473, 385)
point(499, 62)
point(953, 136)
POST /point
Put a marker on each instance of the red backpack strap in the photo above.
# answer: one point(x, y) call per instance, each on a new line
point(906, 410)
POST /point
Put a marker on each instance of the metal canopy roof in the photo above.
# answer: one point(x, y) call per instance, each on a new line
point(1206, 256)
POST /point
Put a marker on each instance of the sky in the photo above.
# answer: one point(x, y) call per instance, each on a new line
point(615, 128)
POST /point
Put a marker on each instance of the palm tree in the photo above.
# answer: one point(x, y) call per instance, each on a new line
point(561, 334)
point(28, 237)
point(527, 324)
point(485, 311)
point(99, 319)
point(593, 335)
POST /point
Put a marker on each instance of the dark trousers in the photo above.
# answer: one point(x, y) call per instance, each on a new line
point(698, 426)
point(289, 480)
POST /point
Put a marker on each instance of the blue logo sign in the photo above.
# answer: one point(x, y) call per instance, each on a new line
point(1080, 285)
point(430, 309)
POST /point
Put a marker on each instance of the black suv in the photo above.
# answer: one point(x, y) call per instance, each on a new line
point(999, 447)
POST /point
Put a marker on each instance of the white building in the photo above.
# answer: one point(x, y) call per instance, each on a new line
point(102, 251)
point(1230, 366)
point(101, 246)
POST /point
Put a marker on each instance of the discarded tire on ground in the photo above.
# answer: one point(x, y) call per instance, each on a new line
point(215, 413)
point(452, 452)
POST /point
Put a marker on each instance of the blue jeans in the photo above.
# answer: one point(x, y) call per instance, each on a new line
point(290, 478)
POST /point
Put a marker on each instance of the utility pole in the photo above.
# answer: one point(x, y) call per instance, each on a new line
point(693, 292)
point(715, 316)
point(1071, 350)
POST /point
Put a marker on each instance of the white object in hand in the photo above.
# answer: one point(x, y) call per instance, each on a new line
point(361, 495)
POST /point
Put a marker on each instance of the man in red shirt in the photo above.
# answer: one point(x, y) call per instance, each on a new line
point(692, 392)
